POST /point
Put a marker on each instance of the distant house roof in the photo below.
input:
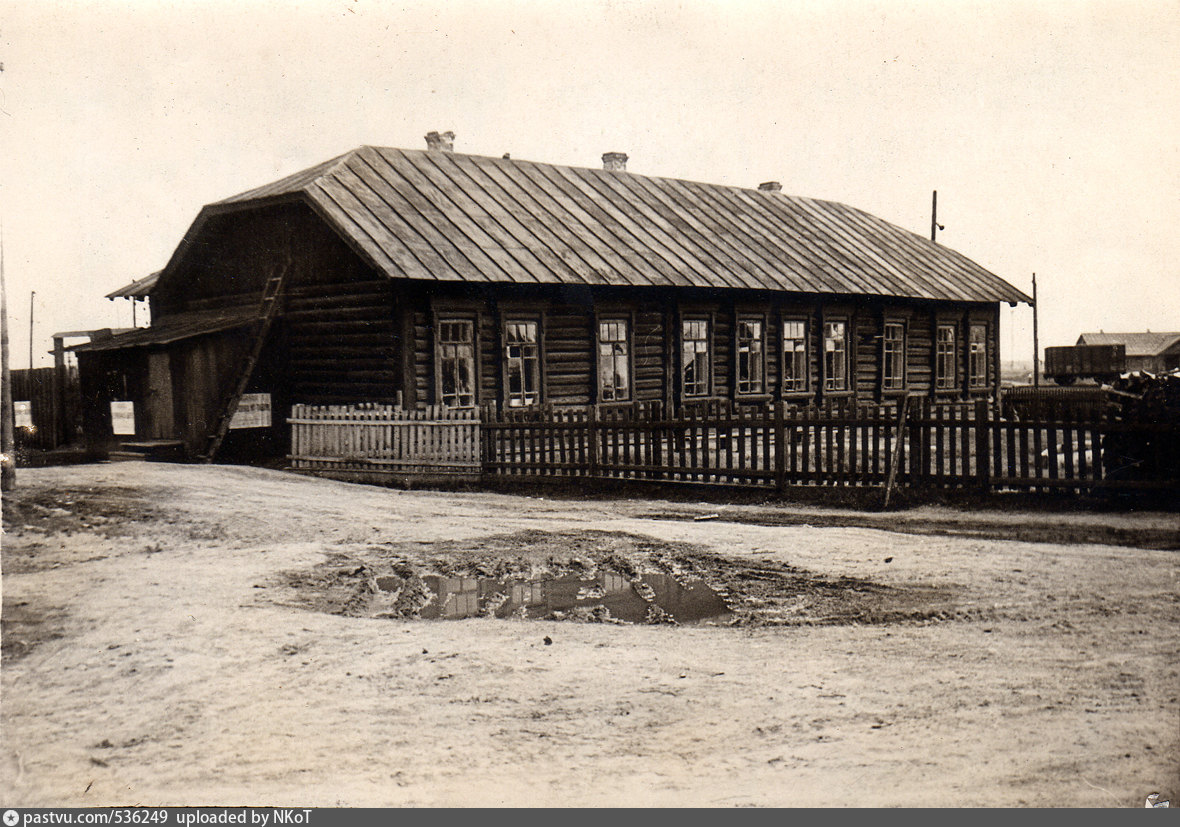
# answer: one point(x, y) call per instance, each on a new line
point(174, 328)
point(451, 217)
point(1138, 344)
point(137, 289)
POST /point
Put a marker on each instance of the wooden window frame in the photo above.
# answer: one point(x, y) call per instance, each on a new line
point(510, 318)
point(977, 380)
point(823, 364)
point(763, 385)
point(806, 339)
point(903, 380)
point(628, 319)
point(707, 318)
point(941, 382)
point(441, 317)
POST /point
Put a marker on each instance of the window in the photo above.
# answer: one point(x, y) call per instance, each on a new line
point(977, 360)
point(750, 362)
point(944, 357)
point(522, 364)
point(893, 357)
point(835, 356)
point(794, 356)
point(695, 360)
point(614, 360)
point(456, 363)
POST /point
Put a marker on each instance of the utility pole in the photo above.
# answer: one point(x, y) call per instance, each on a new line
point(934, 225)
point(7, 445)
point(1036, 340)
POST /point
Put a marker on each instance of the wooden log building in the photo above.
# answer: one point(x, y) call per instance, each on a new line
point(421, 277)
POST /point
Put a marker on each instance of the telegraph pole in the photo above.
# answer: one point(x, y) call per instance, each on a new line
point(1036, 340)
point(7, 445)
point(934, 225)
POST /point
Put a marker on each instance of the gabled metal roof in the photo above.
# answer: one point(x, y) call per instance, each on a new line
point(1138, 344)
point(446, 216)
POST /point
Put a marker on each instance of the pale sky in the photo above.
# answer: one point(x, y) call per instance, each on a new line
point(1051, 130)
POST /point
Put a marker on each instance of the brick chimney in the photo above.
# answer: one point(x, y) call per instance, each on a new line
point(444, 142)
point(614, 161)
point(770, 186)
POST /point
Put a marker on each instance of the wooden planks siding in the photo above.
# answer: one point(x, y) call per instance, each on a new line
point(342, 342)
point(569, 353)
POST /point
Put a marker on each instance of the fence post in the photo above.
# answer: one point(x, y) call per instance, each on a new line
point(780, 445)
point(485, 440)
point(916, 448)
point(905, 406)
point(983, 444)
point(593, 441)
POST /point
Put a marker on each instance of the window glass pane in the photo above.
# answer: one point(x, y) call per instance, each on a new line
point(835, 361)
point(614, 361)
point(893, 357)
point(456, 363)
point(695, 357)
point(522, 364)
point(978, 356)
point(944, 357)
point(749, 362)
point(794, 356)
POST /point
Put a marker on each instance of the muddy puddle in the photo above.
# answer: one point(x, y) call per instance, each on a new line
point(594, 576)
point(649, 598)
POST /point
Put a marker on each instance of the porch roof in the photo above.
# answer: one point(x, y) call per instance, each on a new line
point(174, 328)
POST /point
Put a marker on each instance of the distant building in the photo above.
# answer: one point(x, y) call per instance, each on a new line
point(1152, 352)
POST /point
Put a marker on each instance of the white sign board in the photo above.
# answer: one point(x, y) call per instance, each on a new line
point(22, 413)
point(253, 412)
point(123, 418)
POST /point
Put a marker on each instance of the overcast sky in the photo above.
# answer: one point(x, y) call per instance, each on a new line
point(1051, 130)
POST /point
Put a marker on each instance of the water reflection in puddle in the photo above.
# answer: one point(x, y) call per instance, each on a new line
point(458, 597)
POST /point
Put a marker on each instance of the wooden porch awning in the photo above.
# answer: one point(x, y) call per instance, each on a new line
point(139, 289)
point(175, 328)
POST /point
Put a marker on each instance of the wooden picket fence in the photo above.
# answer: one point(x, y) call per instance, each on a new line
point(917, 444)
point(382, 440)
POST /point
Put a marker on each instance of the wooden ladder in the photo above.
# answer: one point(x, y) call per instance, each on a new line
point(267, 310)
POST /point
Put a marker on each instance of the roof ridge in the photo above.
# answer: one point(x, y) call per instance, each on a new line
point(294, 182)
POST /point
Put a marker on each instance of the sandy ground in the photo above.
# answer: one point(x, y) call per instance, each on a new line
point(168, 640)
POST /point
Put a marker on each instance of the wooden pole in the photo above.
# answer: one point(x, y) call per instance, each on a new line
point(7, 444)
point(905, 406)
point(1036, 340)
point(934, 216)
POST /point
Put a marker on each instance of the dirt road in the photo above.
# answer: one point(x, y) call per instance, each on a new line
point(205, 635)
